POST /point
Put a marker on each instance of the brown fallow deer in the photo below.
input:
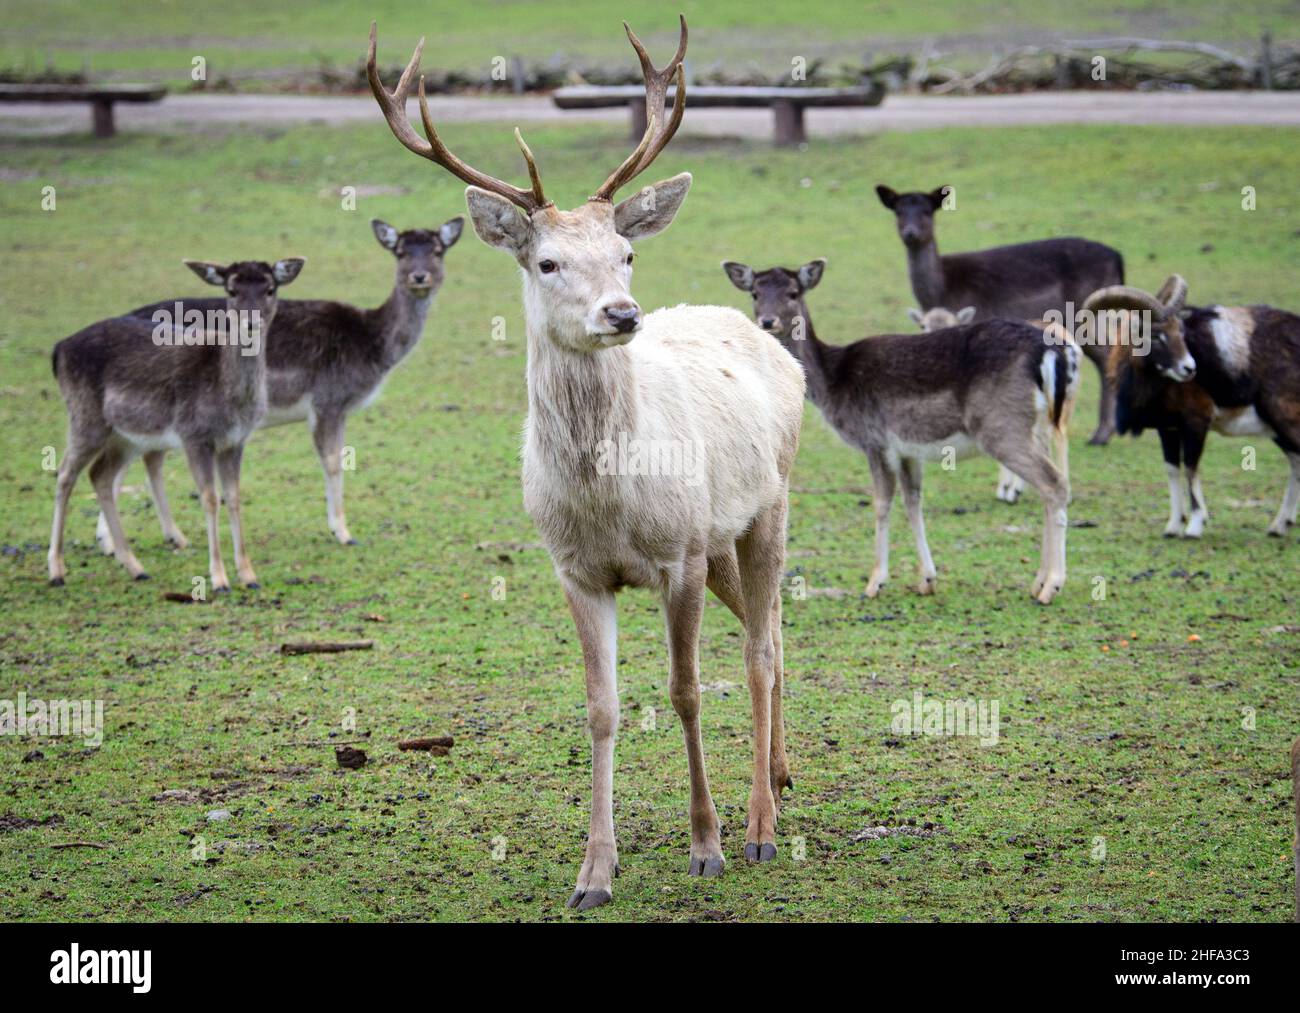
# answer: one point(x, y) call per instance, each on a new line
point(996, 386)
point(1010, 485)
point(326, 360)
point(1024, 281)
point(133, 386)
point(697, 381)
point(1231, 369)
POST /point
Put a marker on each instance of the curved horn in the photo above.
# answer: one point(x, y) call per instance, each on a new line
point(1123, 297)
point(1173, 293)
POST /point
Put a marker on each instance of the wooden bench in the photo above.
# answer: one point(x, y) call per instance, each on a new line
point(787, 104)
point(100, 96)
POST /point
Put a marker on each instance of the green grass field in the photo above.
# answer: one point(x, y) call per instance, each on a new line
point(242, 38)
point(1117, 732)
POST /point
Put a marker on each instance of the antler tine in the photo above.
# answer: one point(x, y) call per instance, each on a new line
point(658, 130)
point(393, 105)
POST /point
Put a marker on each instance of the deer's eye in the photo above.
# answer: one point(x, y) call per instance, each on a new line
point(547, 266)
point(630, 258)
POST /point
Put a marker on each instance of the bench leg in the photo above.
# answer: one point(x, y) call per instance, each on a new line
point(102, 115)
point(636, 107)
point(789, 124)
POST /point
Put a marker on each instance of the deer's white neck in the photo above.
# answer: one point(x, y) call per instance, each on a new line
point(576, 400)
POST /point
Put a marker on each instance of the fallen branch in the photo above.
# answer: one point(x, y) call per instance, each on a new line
point(438, 745)
point(326, 647)
point(327, 742)
point(181, 598)
point(80, 844)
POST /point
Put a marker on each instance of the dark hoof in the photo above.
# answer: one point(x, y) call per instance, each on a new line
point(56, 582)
point(1274, 534)
point(789, 782)
point(707, 867)
point(767, 853)
point(751, 852)
point(253, 586)
point(585, 900)
point(351, 541)
point(1099, 439)
point(142, 576)
point(222, 589)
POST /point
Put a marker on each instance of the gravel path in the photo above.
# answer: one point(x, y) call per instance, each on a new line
point(902, 112)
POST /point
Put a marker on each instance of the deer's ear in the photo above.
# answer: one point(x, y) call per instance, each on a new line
point(915, 315)
point(450, 231)
point(887, 196)
point(741, 275)
point(938, 196)
point(811, 273)
point(286, 270)
point(966, 314)
point(497, 221)
point(652, 210)
point(385, 233)
point(213, 274)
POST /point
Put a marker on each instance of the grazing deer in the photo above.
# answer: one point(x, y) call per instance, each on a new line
point(700, 379)
point(326, 360)
point(1231, 369)
point(997, 386)
point(1024, 281)
point(133, 386)
point(1010, 485)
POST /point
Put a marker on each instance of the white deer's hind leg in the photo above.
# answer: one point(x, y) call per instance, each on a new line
point(1286, 513)
point(760, 553)
point(153, 466)
point(884, 481)
point(910, 476)
point(595, 617)
point(683, 608)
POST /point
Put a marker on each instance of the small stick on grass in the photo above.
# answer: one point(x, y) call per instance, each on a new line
point(80, 844)
point(326, 647)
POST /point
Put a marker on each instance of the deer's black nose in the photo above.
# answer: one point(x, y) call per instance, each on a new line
point(421, 278)
point(623, 318)
point(767, 323)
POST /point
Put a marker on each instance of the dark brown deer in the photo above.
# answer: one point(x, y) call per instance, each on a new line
point(701, 379)
point(1231, 369)
point(996, 386)
point(326, 360)
point(133, 386)
point(1024, 281)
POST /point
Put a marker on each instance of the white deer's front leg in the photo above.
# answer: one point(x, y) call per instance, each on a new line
point(595, 617)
